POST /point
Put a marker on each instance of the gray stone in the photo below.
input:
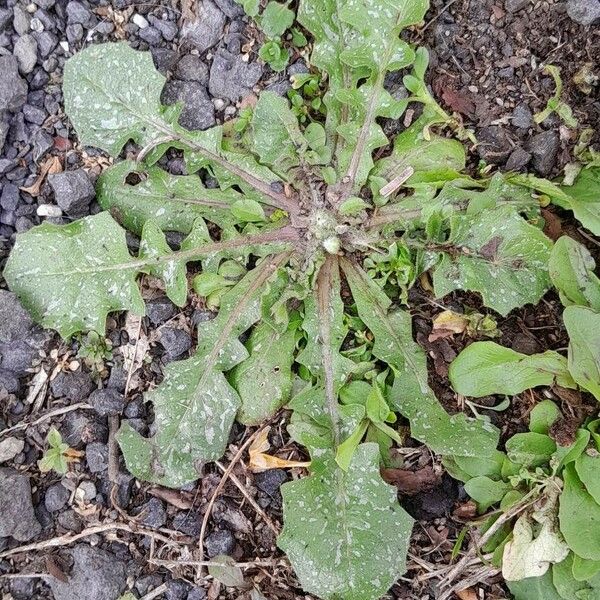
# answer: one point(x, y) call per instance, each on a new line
point(152, 513)
point(73, 191)
point(46, 42)
point(107, 401)
point(22, 588)
point(518, 159)
point(15, 322)
point(230, 8)
point(25, 51)
point(74, 32)
point(177, 589)
point(150, 35)
point(34, 114)
point(231, 77)
point(56, 497)
point(5, 18)
point(192, 68)
point(76, 386)
point(17, 518)
point(168, 29)
point(4, 126)
point(522, 117)
point(270, 481)
point(160, 310)
point(18, 356)
point(187, 522)
point(221, 541)
point(494, 146)
point(79, 429)
point(207, 29)
point(104, 28)
point(21, 20)
point(9, 200)
point(513, 6)
point(70, 521)
point(78, 13)
point(9, 382)
point(96, 575)
point(544, 148)
point(96, 457)
point(42, 143)
point(584, 12)
point(175, 341)
point(87, 489)
point(164, 59)
point(13, 89)
point(198, 110)
point(197, 593)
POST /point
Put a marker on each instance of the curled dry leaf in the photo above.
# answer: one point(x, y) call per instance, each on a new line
point(447, 324)
point(259, 461)
point(411, 482)
point(48, 167)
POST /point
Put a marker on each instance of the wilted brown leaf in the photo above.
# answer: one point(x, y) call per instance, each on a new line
point(259, 461)
point(411, 482)
point(447, 324)
point(47, 167)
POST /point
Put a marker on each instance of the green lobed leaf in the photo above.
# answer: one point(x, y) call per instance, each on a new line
point(530, 449)
point(195, 405)
point(583, 198)
point(411, 395)
point(587, 466)
point(71, 276)
point(534, 588)
point(173, 202)
point(276, 18)
point(485, 368)
point(274, 135)
point(264, 379)
point(112, 95)
point(571, 269)
point(345, 533)
point(485, 491)
point(582, 326)
point(579, 516)
point(498, 254)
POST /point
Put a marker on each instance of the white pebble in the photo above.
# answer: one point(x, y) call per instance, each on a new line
point(64, 45)
point(140, 21)
point(36, 25)
point(48, 210)
point(218, 103)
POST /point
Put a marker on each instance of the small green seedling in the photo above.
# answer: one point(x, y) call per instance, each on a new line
point(58, 455)
point(556, 104)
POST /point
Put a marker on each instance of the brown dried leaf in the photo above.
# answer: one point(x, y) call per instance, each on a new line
point(460, 102)
point(411, 483)
point(177, 499)
point(49, 166)
point(447, 324)
point(468, 594)
point(259, 461)
point(55, 570)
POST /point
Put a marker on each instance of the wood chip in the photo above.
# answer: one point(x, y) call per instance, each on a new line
point(396, 183)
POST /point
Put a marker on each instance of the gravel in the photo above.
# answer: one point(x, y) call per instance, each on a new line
point(15, 322)
point(96, 575)
point(73, 191)
point(544, 149)
point(231, 77)
point(18, 519)
point(584, 12)
point(76, 386)
point(175, 342)
point(221, 541)
point(107, 401)
point(206, 31)
point(192, 68)
point(25, 51)
point(96, 457)
point(13, 89)
point(56, 497)
point(152, 513)
point(160, 310)
point(198, 110)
